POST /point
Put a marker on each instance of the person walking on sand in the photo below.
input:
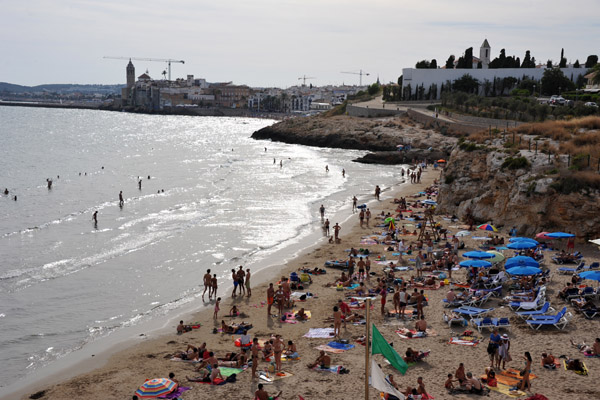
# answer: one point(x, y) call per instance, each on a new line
point(214, 287)
point(354, 201)
point(326, 227)
point(216, 314)
point(322, 211)
point(361, 217)
point(270, 298)
point(368, 216)
point(121, 201)
point(337, 321)
point(336, 232)
point(207, 284)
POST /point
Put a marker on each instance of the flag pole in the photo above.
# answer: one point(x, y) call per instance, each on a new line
point(367, 342)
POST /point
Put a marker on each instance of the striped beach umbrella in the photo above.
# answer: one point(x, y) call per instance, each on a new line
point(155, 387)
point(487, 227)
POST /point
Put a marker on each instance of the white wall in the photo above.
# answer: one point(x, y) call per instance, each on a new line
point(415, 77)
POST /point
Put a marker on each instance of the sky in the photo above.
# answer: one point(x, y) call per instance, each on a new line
point(271, 43)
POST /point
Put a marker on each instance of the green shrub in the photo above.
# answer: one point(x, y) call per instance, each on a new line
point(449, 179)
point(515, 163)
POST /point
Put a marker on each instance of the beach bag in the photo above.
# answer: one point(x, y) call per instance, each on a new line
point(491, 349)
point(231, 378)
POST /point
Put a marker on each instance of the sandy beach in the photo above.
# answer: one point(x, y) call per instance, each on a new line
point(123, 372)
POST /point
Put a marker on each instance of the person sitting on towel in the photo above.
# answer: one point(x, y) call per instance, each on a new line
point(261, 394)
point(548, 361)
point(421, 326)
point(323, 361)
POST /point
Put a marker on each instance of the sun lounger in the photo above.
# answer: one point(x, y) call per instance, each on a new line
point(588, 292)
point(481, 323)
point(568, 271)
point(559, 321)
point(501, 322)
point(542, 311)
point(472, 312)
point(529, 305)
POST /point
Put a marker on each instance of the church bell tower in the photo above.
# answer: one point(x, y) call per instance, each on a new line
point(485, 54)
point(130, 75)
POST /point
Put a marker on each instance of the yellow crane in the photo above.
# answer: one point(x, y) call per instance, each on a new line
point(167, 60)
point(361, 73)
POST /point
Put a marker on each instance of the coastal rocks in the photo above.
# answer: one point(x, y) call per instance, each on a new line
point(400, 157)
point(480, 183)
point(379, 135)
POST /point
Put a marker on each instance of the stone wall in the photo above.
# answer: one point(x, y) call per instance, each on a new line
point(359, 111)
point(436, 123)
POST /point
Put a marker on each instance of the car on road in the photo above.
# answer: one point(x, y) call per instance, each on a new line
point(557, 100)
point(591, 104)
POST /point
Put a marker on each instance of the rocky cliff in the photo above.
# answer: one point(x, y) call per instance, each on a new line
point(378, 135)
point(505, 190)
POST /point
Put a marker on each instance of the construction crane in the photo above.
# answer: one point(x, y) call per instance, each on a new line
point(304, 78)
point(167, 60)
point(361, 73)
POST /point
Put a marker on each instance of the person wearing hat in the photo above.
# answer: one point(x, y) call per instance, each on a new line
point(504, 351)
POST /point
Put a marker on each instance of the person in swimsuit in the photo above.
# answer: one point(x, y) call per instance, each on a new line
point(207, 284)
point(248, 282)
point(525, 384)
point(254, 351)
point(216, 314)
point(270, 298)
point(214, 286)
point(234, 277)
point(278, 350)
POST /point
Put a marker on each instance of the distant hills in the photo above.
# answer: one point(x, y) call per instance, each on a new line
point(60, 88)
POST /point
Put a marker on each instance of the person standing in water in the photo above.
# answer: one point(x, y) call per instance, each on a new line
point(327, 168)
point(322, 211)
point(343, 173)
point(121, 201)
point(140, 184)
point(326, 227)
point(95, 217)
point(280, 163)
point(354, 201)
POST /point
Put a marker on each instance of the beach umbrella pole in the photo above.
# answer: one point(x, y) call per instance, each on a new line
point(367, 345)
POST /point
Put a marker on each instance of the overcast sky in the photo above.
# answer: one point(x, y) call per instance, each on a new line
point(273, 42)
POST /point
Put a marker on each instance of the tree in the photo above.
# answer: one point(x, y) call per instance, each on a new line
point(479, 65)
point(374, 89)
point(591, 61)
point(467, 60)
point(554, 81)
point(433, 64)
point(563, 60)
point(450, 62)
point(423, 64)
point(576, 65)
point(500, 61)
point(466, 84)
point(487, 87)
point(549, 64)
point(528, 62)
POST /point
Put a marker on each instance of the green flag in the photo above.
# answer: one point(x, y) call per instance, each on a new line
point(381, 346)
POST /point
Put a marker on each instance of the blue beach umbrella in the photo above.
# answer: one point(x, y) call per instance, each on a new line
point(591, 275)
point(478, 254)
point(524, 271)
point(560, 235)
point(522, 239)
point(521, 261)
point(475, 263)
point(522, 245)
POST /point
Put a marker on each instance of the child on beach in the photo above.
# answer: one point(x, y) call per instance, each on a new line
point(216, 314)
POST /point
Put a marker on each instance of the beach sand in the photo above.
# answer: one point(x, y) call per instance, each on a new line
point(125, 371)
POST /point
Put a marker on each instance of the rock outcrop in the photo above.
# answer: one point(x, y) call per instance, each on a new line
point(476, 182)
point(378, 135)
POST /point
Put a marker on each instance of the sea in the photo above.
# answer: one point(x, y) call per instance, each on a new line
point(198, 193)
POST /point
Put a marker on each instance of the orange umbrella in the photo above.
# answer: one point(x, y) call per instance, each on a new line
point(441, 161)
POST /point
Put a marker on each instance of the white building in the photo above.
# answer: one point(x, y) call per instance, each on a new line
point(428, 77)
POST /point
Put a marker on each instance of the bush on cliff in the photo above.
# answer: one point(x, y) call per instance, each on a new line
point(515, 163)
point(575, 182)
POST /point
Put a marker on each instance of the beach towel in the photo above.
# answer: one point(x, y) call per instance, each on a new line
point(464, 341)
point(226, 371)
point(590, 355)
point(173, 395)
point(308, 313)
point(319, 333)
point(510, 377)
point(402, 332)
point(505, 389)
point(368, 241)
point(288, 358)
point(584, 372)
point(340, 346)
point(329, 349)
point(217, 382)
point(333, 368)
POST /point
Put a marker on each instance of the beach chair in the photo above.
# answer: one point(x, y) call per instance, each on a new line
point(588, 292)
point(498, 279)
point(472, 312)
point(559, 321)
point(542, 311)
point(501, 322)
point(528, 305)
point(567, 270)
point(481, 323)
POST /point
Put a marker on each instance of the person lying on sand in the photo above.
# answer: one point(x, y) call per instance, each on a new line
point(190, 354)
point(235, 361)
point(575, 365)
point(203, 377)
point(584, 348)
point(323, 361)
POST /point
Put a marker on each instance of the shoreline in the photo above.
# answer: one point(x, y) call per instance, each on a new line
point(97, 354)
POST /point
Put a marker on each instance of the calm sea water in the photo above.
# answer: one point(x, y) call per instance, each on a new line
point(65, 282)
